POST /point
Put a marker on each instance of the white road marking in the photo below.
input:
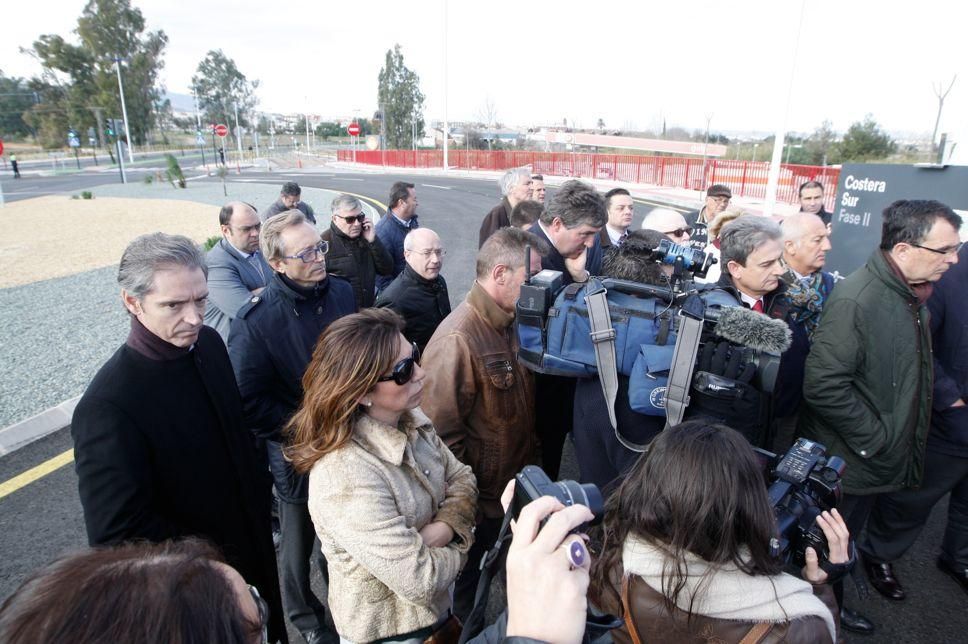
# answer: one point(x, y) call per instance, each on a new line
point(430, 185)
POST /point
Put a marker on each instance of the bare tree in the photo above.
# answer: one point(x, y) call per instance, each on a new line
point(941, 96)
point(487, 114)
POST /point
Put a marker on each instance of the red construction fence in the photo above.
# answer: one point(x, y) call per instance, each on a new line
point(745, 178)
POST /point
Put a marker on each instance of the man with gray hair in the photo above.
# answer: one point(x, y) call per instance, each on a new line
point(516, 187)
point(419, 293)
point(270, 344)
point(236, 268)
point(355, 252)
point(570, 225)
point(478, 394)
point(751, 251)
point(290, 199)
point(159, 445)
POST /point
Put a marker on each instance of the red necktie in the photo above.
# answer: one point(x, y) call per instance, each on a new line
point(758, 307)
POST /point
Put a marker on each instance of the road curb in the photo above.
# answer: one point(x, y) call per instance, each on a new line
point(36, 427)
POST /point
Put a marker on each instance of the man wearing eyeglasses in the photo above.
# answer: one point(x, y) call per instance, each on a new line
point(355, 252)
point(668, 222)
point(419, 293)
point(270, 344)
point(867, 389)
point(236, 268)
point(718, 197)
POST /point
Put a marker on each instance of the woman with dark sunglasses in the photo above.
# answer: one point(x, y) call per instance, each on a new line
point(393, 508)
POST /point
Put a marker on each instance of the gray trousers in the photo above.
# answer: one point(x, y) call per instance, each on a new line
point(897, 518)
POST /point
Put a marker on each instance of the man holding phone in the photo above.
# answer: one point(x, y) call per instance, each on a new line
point(355, 252)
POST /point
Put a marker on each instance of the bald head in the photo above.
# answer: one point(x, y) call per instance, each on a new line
point(240, 225)
point(668, 222)
point(805, 242)
point(424, 253)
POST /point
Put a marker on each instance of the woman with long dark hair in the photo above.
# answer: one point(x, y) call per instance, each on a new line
point(393, 508)
point(685, 549)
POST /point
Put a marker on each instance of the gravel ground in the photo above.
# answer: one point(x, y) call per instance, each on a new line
point(56, 333)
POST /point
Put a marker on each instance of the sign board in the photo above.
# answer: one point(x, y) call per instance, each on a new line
point(1, 146)
point(865, 190)
point(72, 139)
point(199, 139)
point(353, 129)
point(372, 142)
point(221, 130)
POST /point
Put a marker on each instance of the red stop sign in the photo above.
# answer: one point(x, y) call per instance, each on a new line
point(221, 130)
point(1, 146)
point(353, 129)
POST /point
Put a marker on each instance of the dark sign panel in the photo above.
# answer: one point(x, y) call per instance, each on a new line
point(865, 190)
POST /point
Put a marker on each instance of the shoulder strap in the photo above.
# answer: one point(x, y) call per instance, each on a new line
point(603, 339)
point(683, 362)
point(627, 612)
point(757, 633)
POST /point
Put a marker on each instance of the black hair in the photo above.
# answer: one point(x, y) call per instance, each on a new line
point(909, 221)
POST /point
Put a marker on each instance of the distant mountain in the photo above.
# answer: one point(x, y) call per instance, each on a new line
point(180, 102)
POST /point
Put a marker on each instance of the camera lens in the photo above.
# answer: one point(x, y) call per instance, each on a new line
point(586, 494)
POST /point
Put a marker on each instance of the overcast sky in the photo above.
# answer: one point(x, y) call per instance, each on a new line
point(538, 62)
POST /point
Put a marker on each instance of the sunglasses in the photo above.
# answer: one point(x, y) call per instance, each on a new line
point(352, 219)
point(679, 232)
point(403, 370)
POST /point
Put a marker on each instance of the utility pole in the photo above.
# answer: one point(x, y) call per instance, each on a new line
point(199, 142)
point(705, 144)
point(446, 125)
point(124, 111)
point(238, 131)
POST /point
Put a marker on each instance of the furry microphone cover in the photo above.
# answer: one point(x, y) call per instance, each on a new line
point(751, 329)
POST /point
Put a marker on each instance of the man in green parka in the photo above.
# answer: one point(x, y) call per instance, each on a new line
point(868, 382)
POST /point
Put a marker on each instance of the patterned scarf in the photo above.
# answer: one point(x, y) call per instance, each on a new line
point(806, 297)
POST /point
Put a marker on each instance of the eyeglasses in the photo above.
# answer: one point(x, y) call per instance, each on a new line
point(310, 255)
point(245, 230)
point(263, 614)
point(403, 370)
point(679, 232)
point(947, 250)
point(352, 219)
point(438, 252)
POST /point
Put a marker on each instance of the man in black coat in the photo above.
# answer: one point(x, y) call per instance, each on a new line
point(419, 293)
point(159, 446)
point(270, 344)
point(516, 186)
point(355, 252)
point(570, 225)
point(290, 198)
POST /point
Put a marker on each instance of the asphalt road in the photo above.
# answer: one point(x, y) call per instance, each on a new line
point(43, 519)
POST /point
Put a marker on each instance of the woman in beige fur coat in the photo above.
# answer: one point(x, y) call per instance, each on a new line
point(393, 508)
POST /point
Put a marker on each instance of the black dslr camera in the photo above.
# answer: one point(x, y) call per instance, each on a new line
point(802, 483)
point(532, 483)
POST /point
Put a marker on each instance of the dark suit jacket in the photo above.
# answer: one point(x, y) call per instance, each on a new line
point(231, 280)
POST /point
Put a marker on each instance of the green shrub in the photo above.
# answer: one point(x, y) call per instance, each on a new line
point(211, 241)
point(148, 179)
point(87, 194)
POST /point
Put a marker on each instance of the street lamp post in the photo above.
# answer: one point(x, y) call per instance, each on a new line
point(124, 111)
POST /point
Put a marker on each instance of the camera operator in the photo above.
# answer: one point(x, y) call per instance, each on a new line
point(601, 458)
point(687, 549)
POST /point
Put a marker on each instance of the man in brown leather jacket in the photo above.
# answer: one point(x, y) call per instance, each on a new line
point(478, 395)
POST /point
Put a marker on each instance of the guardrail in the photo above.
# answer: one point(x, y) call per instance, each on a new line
point(745, 178)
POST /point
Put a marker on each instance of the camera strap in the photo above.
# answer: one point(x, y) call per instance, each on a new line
point(474, 623)
point(683, 363)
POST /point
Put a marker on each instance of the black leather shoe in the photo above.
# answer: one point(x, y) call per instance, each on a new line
point(855, 622)
point(958, 574)
point(881, 576)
